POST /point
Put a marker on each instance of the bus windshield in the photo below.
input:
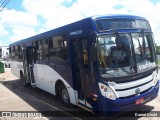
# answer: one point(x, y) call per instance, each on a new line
point(116, 54)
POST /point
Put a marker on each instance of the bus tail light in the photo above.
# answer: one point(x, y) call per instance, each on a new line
point(107, 92)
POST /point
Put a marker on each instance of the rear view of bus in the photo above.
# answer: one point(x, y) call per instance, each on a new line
point(128, 73)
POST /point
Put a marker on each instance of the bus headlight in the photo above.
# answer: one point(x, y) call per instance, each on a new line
point(156, 76)
point(155, 81)
point(106, 91)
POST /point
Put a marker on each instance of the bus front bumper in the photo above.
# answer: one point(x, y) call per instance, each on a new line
point(128, 104)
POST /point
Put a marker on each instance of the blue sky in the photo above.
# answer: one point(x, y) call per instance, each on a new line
point(30, 17)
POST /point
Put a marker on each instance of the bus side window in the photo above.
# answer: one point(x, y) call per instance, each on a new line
point(85, 57)
point(20, 53)
point(63, 50)
point(58, 48)
point(39, 51)
point(36, 48)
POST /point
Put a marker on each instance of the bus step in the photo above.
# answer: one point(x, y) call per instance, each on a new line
point(85, 108)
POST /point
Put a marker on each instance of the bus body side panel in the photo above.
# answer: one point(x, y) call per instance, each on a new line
point(16, 67)
point(38, 70)
point(46, 78)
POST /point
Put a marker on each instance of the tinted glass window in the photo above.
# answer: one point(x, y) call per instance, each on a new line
point(58, 48)
point(143, 47)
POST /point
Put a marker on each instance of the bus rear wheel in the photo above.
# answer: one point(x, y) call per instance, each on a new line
point(64, 95)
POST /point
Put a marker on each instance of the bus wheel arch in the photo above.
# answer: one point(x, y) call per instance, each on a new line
point(62, 92)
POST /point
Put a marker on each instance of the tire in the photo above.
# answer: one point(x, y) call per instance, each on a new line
point(64, 95)
point(23, 80)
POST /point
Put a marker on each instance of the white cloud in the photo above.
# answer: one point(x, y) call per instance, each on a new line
point(3, 31)
point(44, 8)
point(52, 11)
point(1, 44)
point(13, 18)
point(21, 24)
point(21, 33)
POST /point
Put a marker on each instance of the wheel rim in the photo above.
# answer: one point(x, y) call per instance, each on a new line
point(65, 95)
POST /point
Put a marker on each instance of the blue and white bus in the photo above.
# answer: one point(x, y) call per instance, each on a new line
point(100, 63)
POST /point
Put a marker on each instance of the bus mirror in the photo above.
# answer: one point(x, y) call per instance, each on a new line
point(93, 51)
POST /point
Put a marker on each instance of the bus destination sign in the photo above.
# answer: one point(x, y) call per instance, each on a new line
point(106, 24)
point(116, 25)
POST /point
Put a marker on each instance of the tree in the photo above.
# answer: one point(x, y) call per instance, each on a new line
point(158, 49)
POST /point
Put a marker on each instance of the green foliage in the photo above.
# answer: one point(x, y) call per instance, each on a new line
point(159, 62)
point(158, 50)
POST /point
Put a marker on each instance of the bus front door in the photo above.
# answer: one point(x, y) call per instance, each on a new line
point(29, 57)
point(80, 62)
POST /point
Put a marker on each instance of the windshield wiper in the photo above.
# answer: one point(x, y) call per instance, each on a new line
point(141, 49)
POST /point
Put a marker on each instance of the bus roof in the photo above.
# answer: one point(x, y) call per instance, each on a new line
point(87, 23)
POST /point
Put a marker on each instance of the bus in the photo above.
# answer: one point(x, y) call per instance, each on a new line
point(100, 63)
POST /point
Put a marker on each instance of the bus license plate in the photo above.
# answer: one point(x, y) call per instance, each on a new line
point(139, 101)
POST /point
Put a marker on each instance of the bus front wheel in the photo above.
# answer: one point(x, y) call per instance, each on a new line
point(64, 95)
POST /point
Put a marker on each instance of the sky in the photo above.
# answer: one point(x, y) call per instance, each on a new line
point(24, 18)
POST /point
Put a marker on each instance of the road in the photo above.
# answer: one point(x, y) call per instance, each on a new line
point(41, 100)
